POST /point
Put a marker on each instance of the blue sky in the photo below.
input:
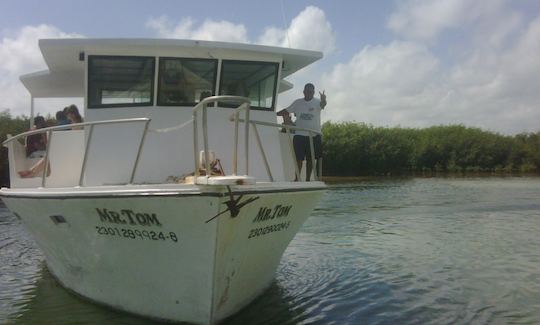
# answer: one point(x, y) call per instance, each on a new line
point(411, 63)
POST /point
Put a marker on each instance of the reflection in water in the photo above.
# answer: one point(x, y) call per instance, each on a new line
point(20, 262)
point(57, 305)
point(379, 252)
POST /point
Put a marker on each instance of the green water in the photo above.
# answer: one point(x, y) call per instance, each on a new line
point(384, 251)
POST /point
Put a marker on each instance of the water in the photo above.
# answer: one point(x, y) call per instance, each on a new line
point(399, 251)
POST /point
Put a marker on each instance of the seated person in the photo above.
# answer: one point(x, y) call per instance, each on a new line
point(36, 144)
point(74, 116)
point(61, 118)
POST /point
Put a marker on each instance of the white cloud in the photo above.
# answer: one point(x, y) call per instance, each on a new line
point(310, 30)
point(381, 84)
point(493, 85)
point(21, 52)
point(209, 30)
point(165, 28)
point(19, 55)
point(425, 19)
point(221, 31)
point(489, 77)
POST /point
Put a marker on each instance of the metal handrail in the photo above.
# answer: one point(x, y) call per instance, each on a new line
point(46, 159)
point(236, 114)
point(203, 104)
point(74, 125)
point(244, 106)
point(284, 126)
point(49, 131)
point(287, 128)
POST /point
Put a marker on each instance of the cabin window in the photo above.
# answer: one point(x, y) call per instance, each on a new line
point(119, 81)
point(184, 82)
point(255, 80)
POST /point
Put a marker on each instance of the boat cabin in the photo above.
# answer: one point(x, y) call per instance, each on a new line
point(161, 80)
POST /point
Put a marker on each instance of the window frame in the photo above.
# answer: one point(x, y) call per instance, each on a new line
point(274, 94)
point(214, 86)
point(152, 82)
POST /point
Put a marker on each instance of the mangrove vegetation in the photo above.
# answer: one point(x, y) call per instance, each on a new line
point(356, 149)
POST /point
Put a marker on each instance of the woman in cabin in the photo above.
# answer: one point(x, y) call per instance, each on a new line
point(61, 118)
point(74, 116)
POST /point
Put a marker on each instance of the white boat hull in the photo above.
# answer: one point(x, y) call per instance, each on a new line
point(150, 251)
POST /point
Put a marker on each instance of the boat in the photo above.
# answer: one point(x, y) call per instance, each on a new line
point(176, 197)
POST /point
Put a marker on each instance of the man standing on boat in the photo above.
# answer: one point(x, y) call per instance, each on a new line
point(308, 115)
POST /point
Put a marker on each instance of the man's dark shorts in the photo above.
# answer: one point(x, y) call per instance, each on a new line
point(302, 147)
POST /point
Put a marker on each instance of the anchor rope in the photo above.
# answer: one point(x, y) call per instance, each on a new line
point(172, 128)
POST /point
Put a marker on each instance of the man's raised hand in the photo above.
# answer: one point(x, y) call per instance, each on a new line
point(323, 99)
point(323, 95)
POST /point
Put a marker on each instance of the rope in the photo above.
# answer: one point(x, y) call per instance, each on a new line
point(172, 128)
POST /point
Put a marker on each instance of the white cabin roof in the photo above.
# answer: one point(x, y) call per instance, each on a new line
point(65, 74)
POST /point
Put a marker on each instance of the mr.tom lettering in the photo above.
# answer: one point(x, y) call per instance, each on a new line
point(128, 217)
point(278, 211)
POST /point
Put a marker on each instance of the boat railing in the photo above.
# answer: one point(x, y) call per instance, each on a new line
point(235, 117)
point(288, 129)
point(49, 131)
point(202, 106)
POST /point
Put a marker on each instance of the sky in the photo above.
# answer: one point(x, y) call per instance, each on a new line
point(409, 63)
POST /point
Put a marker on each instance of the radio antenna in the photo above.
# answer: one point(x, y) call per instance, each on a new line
point(285, 24)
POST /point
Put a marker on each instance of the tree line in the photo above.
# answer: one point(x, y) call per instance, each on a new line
point(357, 149)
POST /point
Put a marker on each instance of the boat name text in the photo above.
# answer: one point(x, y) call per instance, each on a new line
point(137, 234)
point(279, 211)
point(128, 217)
point(268, 229)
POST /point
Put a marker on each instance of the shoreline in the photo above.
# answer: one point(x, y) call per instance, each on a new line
point(332, 179)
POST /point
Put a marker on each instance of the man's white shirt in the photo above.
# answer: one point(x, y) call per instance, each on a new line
point(308, 114)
